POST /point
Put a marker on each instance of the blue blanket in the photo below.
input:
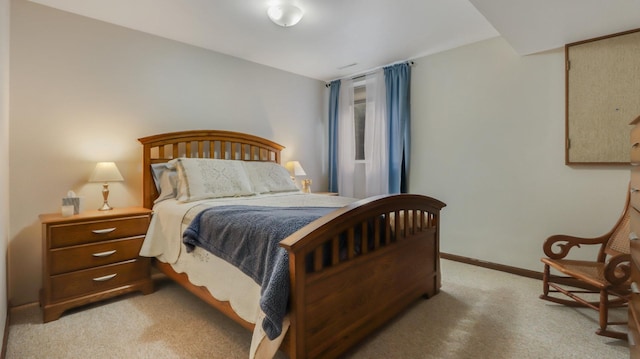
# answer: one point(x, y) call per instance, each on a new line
point(248, 237)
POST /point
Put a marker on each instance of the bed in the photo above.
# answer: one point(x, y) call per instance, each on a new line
point(349, 271)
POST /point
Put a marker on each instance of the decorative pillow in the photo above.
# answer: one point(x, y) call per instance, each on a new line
point(269, 177)
point(201, 178)
point(156, 173)
point(168, 185)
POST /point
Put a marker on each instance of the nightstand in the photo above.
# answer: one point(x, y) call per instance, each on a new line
point(92, 256)
point(326, 193)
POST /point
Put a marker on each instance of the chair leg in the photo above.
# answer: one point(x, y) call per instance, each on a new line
point(545, 280)
point(604, 310)
point(604, 319)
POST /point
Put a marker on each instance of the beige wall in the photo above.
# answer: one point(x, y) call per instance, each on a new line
point(487, 139)
point(83, 91)
point(4, 157)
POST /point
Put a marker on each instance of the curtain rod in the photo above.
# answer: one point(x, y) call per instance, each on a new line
point(368, 72)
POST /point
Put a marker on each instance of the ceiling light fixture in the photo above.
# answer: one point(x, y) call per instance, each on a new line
point(285, 15)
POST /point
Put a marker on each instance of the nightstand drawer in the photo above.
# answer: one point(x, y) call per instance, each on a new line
point(68, 259)
point(98, 279)
point(81, 233)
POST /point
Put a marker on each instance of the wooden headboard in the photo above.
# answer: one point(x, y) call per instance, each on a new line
point(201, 144)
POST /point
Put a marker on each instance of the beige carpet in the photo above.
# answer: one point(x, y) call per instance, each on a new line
point(479, 314)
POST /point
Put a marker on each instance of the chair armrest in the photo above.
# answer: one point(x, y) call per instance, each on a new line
point(618, 269)
point(564, 243)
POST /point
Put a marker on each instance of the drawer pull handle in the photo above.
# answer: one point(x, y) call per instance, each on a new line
point(104, 278)
point(633, 190)
point(103, 231)
point(633, 236)
point(634, 288)
point(108, 253)
point(635, 145)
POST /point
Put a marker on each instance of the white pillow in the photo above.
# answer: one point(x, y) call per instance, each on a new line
point(168, 185)
point(201, 178)
point(269, 177)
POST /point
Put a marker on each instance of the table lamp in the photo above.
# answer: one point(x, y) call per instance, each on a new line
point(295, 170)
point(105, 172)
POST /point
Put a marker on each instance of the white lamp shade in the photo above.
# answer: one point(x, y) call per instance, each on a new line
point(285, 15)
point(106, 172)
point(295, 169)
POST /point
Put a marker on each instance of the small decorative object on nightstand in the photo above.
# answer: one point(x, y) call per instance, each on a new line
point(92, 256)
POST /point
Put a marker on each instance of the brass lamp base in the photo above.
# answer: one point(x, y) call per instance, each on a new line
point(105, 207)
point(105, 195)
point(306, 186)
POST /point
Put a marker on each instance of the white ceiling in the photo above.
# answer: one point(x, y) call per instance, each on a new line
point(368, 33)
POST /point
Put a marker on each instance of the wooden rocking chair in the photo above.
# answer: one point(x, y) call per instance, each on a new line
point(608, 275)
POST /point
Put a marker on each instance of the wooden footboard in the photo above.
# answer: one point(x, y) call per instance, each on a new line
point(356, 268)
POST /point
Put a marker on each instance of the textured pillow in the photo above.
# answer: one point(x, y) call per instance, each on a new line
point(269, 177)
point(168, 185)
point(201, 178)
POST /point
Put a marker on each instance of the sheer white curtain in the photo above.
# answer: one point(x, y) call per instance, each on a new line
point(376, 136)
point(346, 140)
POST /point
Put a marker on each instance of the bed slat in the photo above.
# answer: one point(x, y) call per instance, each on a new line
point(335, 251)
point(364, 238)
